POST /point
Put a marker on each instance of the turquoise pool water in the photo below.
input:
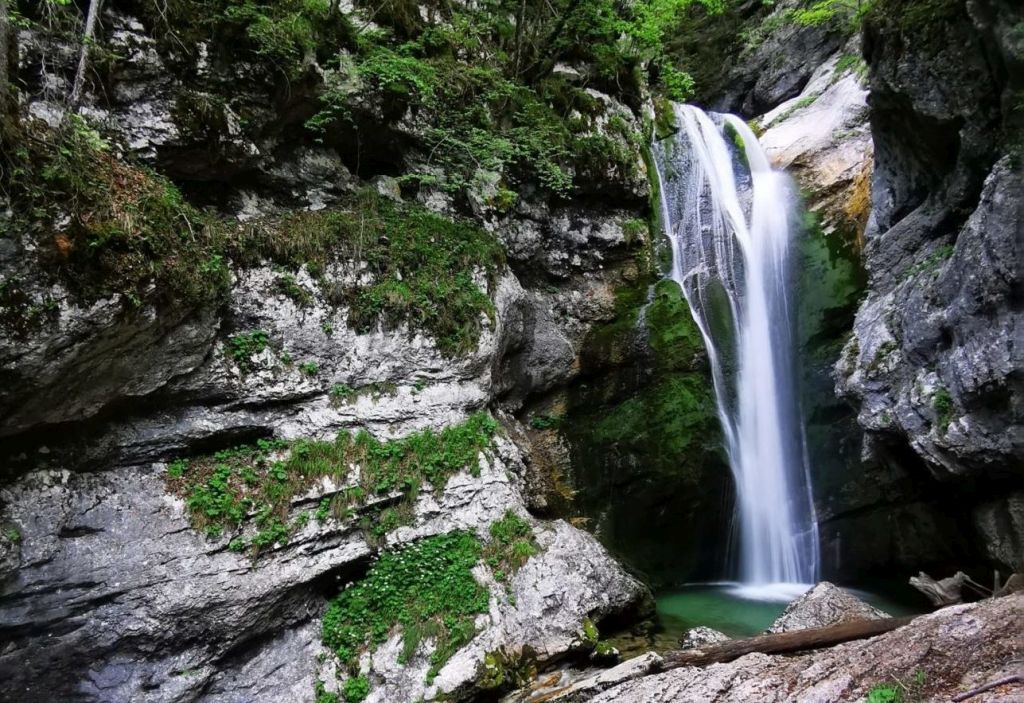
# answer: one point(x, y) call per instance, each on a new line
point(722, 607)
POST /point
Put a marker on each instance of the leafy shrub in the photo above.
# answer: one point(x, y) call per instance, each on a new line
point(426, 588)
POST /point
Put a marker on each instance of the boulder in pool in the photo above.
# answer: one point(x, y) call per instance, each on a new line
point(697, 637)
point(824, 605)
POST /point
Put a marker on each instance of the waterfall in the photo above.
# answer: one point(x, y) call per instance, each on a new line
point(727, 216)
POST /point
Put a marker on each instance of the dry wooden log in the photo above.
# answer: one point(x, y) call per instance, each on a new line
point(1013, 584)
point(947, 591)
point(783, 642)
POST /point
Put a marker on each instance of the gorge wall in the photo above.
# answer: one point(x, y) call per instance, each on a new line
point(252, 240)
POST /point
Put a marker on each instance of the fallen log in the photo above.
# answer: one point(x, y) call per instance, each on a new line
point(783, 642)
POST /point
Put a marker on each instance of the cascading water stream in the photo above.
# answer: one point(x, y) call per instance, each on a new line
point(727, 215)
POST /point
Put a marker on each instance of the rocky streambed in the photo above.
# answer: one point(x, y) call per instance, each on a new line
point(956, 650)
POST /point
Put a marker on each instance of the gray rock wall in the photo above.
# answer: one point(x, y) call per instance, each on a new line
point(935, 361)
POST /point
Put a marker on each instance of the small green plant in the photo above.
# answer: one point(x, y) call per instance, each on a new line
point(933, 262)
point(12, 534)
point(322, 695)
point(310, 368)
point(244, 346)
point(884, 351)
point(800, 104)
point(942, 404)
point(342, 393)
point(418, 385)
point(176, 469)
point(323, 509)
point(356, 689)
point(289, 287)
point(885, 693)
point(850, 63)
point(899, 691)
point(545, 422)
point(633, 229)
point(512, 544)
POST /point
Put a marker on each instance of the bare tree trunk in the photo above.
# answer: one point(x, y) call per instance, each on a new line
point(5, 47)
point(83, 57)
point(520, 21)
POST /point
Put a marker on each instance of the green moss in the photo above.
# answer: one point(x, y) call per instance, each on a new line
point(932, 263)
point(13, 534)
point(665, 123)
point(673, 417)
point(590, 632)
point(288, 286)
point(831, 280)
point(257, 483)
point(850, 63)
point(671, 332)
point(885, 349)
point(545, 422)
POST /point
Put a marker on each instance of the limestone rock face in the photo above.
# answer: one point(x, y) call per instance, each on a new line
point(109, 565)
point(780, 58)
point(933, 366)
point(956, 649)
point(822, 606)
point(822, 138)
point(97, 557)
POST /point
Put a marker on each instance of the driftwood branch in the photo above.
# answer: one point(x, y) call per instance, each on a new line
point(783, 642)
point(1013, 678)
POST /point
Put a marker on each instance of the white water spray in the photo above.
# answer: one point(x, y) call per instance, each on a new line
point(727, 216)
